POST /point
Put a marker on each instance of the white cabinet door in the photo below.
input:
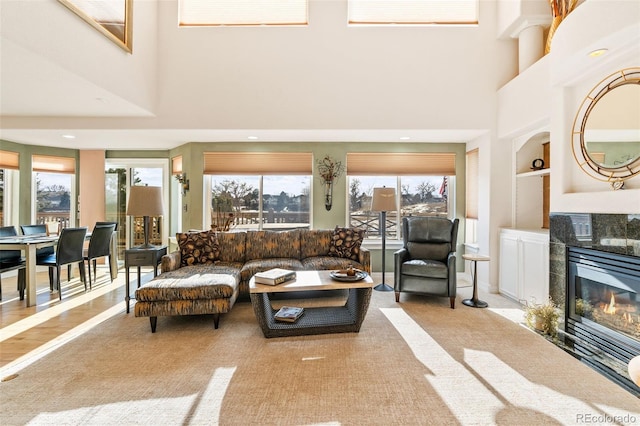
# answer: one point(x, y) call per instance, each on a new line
point(509, 266)
point(524, 265)
point(535, 270)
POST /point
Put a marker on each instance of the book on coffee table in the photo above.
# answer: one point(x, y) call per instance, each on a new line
point(288, 313)
point(274, 276)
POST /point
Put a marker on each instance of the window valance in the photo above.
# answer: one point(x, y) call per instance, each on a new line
point(51, 164)
point(258, 163)
point(401, 163)
point(9, 160)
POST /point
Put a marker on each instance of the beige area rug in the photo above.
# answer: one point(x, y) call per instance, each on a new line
point(413, 363)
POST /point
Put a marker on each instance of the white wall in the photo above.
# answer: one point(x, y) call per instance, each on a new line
point(331, 76)
point(55, 37)
point(547, 95)
point(595, 24)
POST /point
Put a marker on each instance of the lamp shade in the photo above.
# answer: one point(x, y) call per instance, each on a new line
point(145, 201)
point(384, 199)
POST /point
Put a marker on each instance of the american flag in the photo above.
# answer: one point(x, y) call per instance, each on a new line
point(443, 187)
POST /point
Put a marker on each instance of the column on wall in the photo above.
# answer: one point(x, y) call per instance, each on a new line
point(530, 46)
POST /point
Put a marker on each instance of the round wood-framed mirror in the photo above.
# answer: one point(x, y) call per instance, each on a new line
point(606, 131)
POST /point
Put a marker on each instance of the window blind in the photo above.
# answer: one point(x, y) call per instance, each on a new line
point(176, 165)
point(258, 163)
point(9, 160)
point(242, 12)
point(412, 12)
point(401, 163)
point(472, 184)
point(50, 164)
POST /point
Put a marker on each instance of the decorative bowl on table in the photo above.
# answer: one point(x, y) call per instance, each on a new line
point(342, 275)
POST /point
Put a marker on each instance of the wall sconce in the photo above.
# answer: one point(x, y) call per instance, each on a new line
point(329, 170)
point(182, 178)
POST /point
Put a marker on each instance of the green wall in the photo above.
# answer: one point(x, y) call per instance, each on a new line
point(192, 156)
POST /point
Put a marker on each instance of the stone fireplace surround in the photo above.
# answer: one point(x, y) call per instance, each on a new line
point(611, 233)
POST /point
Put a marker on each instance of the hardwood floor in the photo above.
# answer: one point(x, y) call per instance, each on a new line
point(24, 332)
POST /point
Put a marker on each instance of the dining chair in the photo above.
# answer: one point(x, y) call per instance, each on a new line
point(115, 224)
point(44, 251)
point(99, 246)
point(11, 260)
point(38, 230)
point(69, 250)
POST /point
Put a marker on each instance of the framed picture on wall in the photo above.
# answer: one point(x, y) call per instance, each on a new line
point(113, 18)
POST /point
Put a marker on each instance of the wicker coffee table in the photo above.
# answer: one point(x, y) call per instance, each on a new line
point(317, 319)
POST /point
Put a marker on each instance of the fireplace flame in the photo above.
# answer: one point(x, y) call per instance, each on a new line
point(611, 307)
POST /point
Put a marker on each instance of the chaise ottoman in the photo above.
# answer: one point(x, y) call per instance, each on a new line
point(196, 290)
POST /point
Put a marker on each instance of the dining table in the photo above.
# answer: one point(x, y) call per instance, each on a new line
point(29, 244)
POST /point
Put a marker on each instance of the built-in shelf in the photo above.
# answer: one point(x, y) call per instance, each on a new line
point(531, 187)
point(541, 172)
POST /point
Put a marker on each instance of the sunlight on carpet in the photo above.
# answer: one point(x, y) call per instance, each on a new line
point(451, 380)
point(205, 408)
point(416, 362)
point(491, 381)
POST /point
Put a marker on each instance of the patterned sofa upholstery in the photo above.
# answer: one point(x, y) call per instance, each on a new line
point(211, 270)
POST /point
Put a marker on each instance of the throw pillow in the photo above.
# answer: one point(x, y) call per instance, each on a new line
point(346, 242)
point(198, 247)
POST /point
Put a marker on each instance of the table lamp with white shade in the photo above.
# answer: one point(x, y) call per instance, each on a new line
point(384, 200)
point(145, 201)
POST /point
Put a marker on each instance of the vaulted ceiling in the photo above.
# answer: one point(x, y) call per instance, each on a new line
point(326, 82)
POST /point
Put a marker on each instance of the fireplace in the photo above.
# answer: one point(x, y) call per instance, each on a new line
point(595, 276)
point(603, 308)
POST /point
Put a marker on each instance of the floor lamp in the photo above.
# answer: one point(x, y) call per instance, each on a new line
point(145, 201)
point(384, 200)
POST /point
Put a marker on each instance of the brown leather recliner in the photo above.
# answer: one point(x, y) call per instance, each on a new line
point(427, 262)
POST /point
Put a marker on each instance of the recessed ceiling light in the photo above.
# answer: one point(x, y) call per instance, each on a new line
point(68, 136)
point(598, 52)
point(252, 138)
point(404, 138)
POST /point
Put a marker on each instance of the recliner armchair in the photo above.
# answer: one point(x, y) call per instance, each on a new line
point(427, 263)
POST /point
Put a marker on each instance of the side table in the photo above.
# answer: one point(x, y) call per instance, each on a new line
point(474, 301)
point(138, 257)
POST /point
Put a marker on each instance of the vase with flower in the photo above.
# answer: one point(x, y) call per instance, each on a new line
point(329, 169)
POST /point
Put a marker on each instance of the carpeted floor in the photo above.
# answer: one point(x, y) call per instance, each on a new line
point(413, 363)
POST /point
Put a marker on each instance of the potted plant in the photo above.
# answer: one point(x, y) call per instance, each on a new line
point(543, 317)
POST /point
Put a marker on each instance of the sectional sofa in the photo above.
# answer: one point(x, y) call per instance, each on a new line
point(211, 270)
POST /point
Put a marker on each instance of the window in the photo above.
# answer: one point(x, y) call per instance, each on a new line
point(415, 195)
point(259, 202)
point(53, 198)
point(54, 182)
point(242, 12)
point(120, 175)
point(424, 184)
point(257, 190)
point(412, 12)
